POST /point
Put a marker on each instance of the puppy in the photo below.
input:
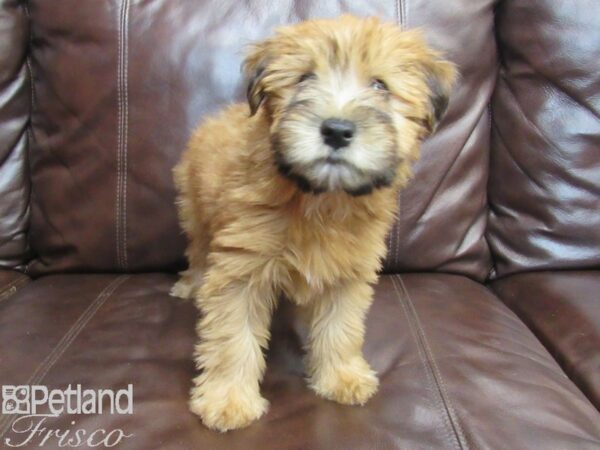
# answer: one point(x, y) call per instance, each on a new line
point(292, 194)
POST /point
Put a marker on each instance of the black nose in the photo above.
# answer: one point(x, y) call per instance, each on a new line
point(337, 133)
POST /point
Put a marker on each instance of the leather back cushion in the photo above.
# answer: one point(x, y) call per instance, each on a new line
point(120, 85)
point(15, 100)
point(545, 168)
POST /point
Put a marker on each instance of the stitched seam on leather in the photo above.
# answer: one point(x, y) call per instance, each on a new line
point(389, 256)
point(398, 222)
point(9, 289)
point(48, 363)
point(430, 386)
point(396, 259)
point(119, 124)
point(439, 381)
point(126, 129)
point(122, 135)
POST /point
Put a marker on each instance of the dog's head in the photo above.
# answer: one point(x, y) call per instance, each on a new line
point(348, 100)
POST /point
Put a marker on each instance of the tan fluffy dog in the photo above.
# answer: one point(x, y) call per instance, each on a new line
point(293, 194)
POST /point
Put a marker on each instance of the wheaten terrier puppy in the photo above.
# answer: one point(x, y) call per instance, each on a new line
point(292, 194)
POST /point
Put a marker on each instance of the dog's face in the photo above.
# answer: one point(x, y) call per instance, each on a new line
point(348, 100)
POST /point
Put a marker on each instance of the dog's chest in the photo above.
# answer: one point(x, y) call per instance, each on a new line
point(319, 259)
point(319, 255)
point(312, 266)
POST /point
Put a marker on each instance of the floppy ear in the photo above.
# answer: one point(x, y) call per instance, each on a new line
point(254, 92)
point(254, 67)
point(441, 76)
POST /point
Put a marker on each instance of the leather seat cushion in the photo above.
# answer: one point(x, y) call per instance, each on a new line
point(458, 369)
point(563, 310)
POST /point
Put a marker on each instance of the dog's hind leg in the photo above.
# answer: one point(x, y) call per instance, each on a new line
point(188, 284)
point(190, 280)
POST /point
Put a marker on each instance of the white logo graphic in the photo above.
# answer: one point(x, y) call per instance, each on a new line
point(33, 406)
point(72, 400)
point(15, 400)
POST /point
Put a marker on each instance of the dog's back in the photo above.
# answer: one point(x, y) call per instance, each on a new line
point(209, 160)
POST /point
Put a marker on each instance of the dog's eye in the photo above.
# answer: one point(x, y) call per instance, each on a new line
point(307, 76)
point(379, 85)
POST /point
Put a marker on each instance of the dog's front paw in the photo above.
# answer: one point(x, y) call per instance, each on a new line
point(349, 384)
point(237, 408)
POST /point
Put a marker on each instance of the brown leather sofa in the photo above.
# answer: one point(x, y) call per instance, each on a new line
point(485, 329)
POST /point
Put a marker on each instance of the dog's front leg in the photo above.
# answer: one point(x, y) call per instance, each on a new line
point(336, 367)
point(233, 332)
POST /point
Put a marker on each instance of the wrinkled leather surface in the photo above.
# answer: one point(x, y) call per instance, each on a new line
point(15, 100)
point(563, 310)
point(10, 282)
point(458, 369)
point(443, 211)
point(544, 188)
point(120, 85)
